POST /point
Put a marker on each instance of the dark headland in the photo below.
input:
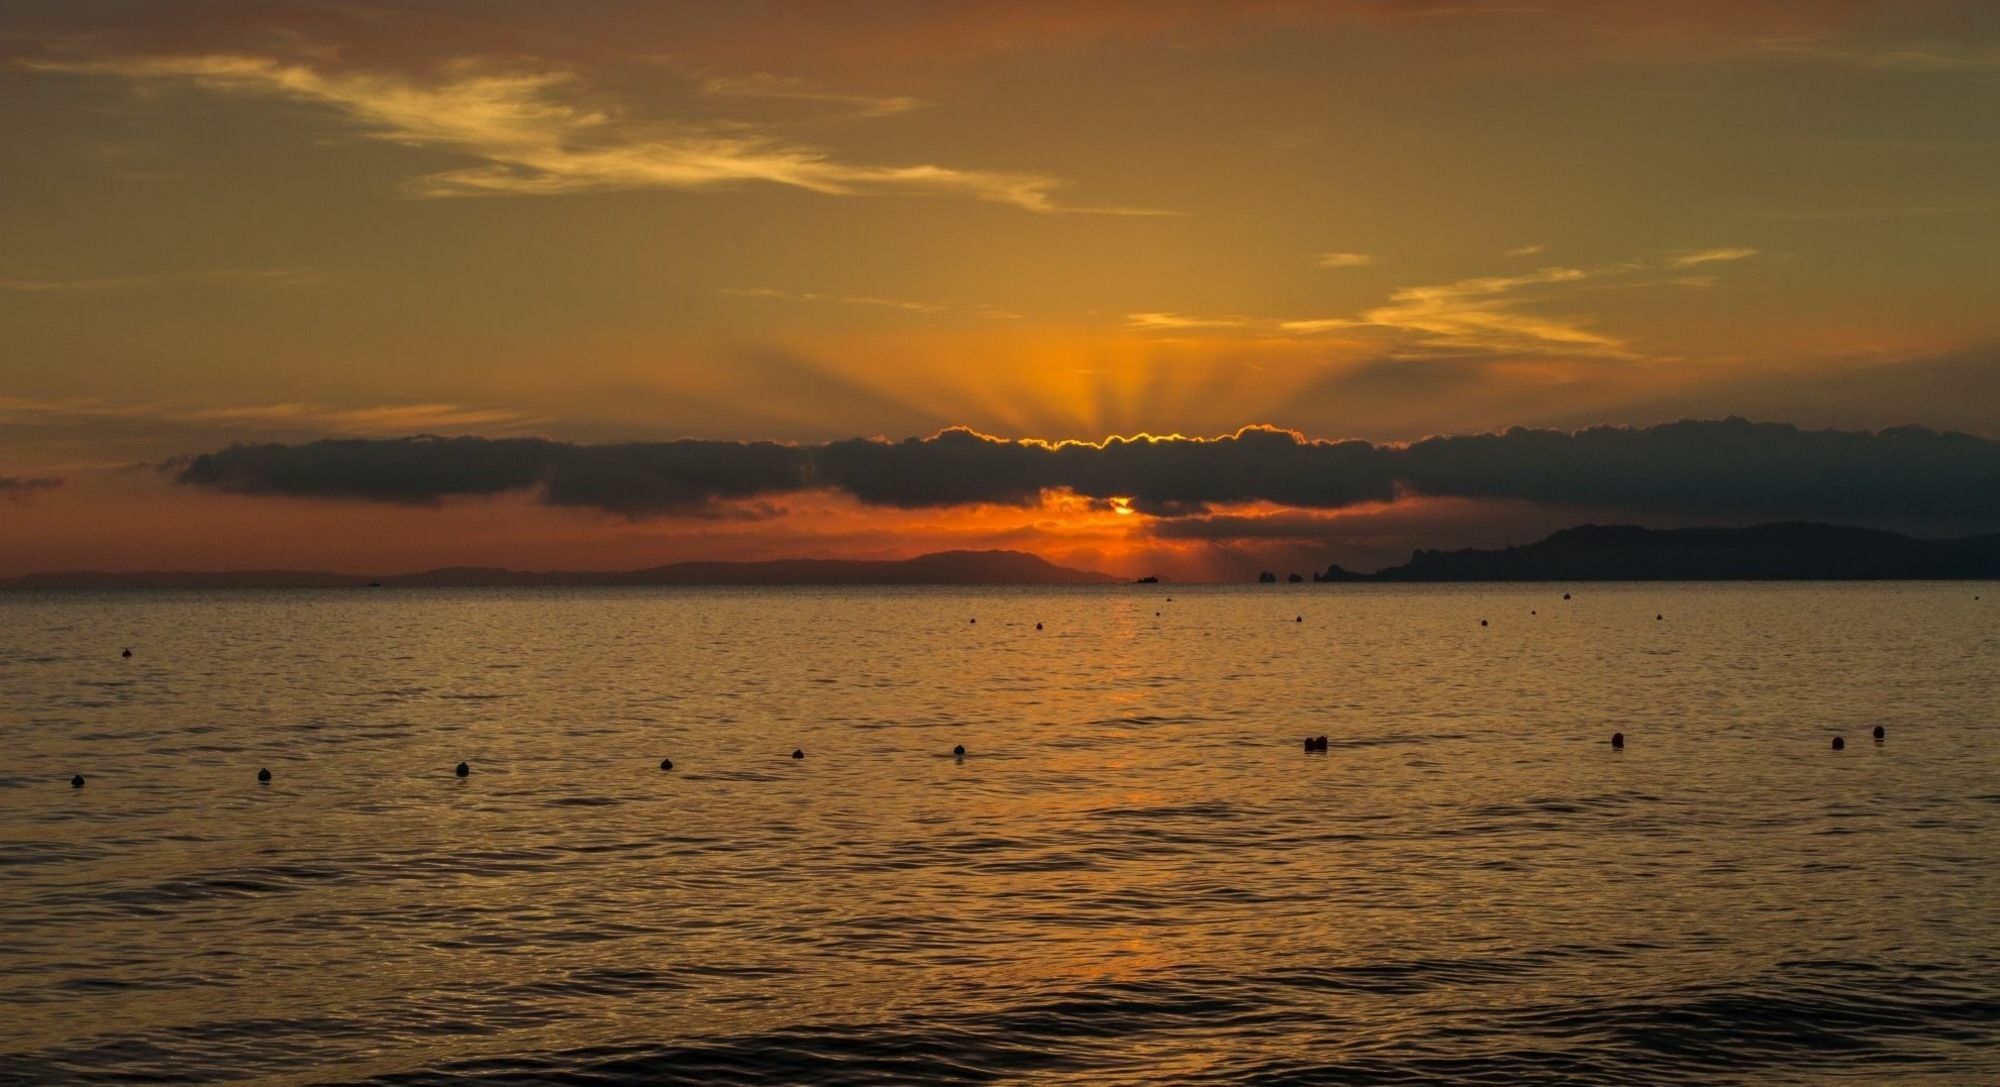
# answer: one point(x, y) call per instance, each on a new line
point(942, 568)
point(1791, 551)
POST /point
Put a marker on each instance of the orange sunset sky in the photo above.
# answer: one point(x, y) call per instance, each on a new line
point(683, 280)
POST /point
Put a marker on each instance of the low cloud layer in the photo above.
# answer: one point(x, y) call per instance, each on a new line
point(22, 488)
point(634, 479)
point(1731, 468)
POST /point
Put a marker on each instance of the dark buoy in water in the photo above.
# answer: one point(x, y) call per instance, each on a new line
point(1657, 618)
point(1839, 744)
point(666, 764)
point(1315, 743)
point(798, 753)
point(1038, 626)
point(1482, 622)
point(1299, 619)
point(462, 770)
point(1565, 596)
point(1618, 741)
point(959, 751)
point(76, 782)
point(1880, 733)
point(1531, 611)
point(127, 653)
point(264, 775)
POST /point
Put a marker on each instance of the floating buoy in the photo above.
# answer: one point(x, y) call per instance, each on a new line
point(76, 782)
point(1880, 732)
point(264, 775)
point(1657, 618)
point(462, 770)
point(1482, 622)
point(1839, 744)
point(798, 753)
point(1300, 619)
point(1565, 596)
point(666, 764)
point(1038, 626)
point(1618, 740)
point(127, 653)
point(1531, 611)
point(959, 751)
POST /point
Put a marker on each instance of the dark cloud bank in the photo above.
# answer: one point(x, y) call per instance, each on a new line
point(22, 488)
point(1731, 468)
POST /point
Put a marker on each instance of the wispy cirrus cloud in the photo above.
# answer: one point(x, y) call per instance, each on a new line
point(1712, 256)
point(1180, 322)
point(1311, 326)
point(533, 132)
point(1921, 56)
point(762, 85)
point(1487, 314)
point(226, 277)
point(292, 416)
point(375, 419)
point(1483, 313)
point(983, 310)
point(1883, 211)
point(842, 299)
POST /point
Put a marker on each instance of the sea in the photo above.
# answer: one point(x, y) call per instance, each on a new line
point(1135, 874)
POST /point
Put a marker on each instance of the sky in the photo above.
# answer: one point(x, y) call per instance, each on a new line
point(1149, 287)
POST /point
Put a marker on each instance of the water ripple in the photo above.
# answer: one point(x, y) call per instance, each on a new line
point(1133, 877)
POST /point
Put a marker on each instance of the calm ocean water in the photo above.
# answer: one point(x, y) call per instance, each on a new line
point(1135, 875)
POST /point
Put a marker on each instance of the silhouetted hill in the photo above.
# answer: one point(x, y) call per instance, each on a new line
point(1792, 551)
point(942, 568)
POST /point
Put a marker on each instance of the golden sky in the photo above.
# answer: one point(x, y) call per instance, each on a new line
point(278, 222)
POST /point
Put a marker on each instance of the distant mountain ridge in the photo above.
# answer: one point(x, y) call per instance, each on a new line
point(1787, 551)
point(940, 568)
